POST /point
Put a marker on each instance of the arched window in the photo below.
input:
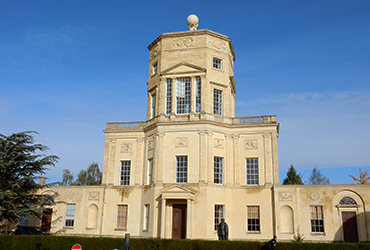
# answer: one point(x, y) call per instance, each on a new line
point(347, 201)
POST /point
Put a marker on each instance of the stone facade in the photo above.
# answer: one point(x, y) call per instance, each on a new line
point(192, 162)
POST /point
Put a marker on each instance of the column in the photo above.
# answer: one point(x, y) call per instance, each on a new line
point(139, 161)
point(267, 160)
point(203, 163)
point(275, 161)
point(158, 163)
point(237, 165)
point(163, 219)
point(189, 219)
point(228, 168)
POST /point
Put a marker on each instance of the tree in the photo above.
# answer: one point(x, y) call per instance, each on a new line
point(21, 164)
point(317, 178)
point(292, 178)
point(364, 179)
point(67, 178)
point(91, 176)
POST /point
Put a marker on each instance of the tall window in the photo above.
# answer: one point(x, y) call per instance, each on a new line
point(122, 211)
point(217, 102)
point(217, 63)
point(219, 214)
point(253, 218)
point(150, 171)
point(154, 103)
point(146, 217)
point(181, 169)
point(317, 219)
point(198, 92)
point(70, 215)
point(155, 68)
point(169, 97)
point(183, 95)
point(218, 170)
point(252, 171)
point(125, 173)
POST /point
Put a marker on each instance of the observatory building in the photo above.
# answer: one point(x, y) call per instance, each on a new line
point(192, 162)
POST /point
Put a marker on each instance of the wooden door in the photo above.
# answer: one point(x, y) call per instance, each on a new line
point(179, 221)
point(46, 220)
point(350, 226)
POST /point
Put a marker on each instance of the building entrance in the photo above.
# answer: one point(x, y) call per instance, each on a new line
point(179, 221)
point(350, 226)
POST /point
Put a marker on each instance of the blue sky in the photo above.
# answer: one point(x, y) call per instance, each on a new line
point(68, 67)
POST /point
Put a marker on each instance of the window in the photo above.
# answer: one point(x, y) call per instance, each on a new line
point(217, 102)
point(317, 219)
point(146, 217)
point(181, 169)
point(150, 171)
point(169, 97)
point(198, 92)
point(183, 95)
point(155, 68)
point(125, 173)
point(219, 214)
point(217, 63)
point(253, 218)
point(122, 212)
point(252, 171)
point(218, 170)
point(154, 97)
point(70, 215)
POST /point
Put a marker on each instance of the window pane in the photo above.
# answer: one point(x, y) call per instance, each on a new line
point(317, 219)
point(253, 218)
point(181, 169)
point(217, 63)
point(219, 214)
point(154, 97)
point(197, 95)
point(169, 97)
point(70, 215)
point(150, 170)
point(183, 95)
point(122, 216)
point(218, 170)
point(217, 102)
point(252, 171)
point(125, 173)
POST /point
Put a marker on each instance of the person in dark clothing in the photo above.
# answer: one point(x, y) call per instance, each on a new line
point(223, 230)
point(272, 243)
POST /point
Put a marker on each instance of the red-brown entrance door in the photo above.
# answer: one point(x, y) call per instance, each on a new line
point(179, 221)
point(46, 220)
point(350, 226)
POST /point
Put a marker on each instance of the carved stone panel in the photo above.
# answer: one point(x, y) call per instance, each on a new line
point(251, 144)
point(150, 145)
point(71, 195)
point(219, 45)
point(126, 148)
point(285, 196)
point(181, 142)
point(315, 196)
point(219, 143)
point(184, 42)
point(93, 195)
point(155, 50)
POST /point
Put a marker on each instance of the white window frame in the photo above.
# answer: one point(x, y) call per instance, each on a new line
point(252, 171)
point(253, 219)
point(149, 172)
point(153, 104)
point(218, 170)
point(122, 219)
point(125, 172)
point(217, 63)
point(183, 95)
point(219, 214)
point(217, 101)
point(182, 169)
point(169, 88)
point(317, 219)
point(70, 215)
point(155, 68)
point(197, 94)
point(146, 217)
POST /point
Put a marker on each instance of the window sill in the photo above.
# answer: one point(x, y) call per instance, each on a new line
point(120, 229)
point(68, 228)
point(253, 232)
point(318, 233)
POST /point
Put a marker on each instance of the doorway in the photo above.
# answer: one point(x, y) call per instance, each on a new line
point(179, 221)
point(349, 220)
point(46, 220)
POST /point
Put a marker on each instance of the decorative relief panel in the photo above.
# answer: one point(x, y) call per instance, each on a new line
point(285, 196)
point(220, 45)
point(126, 148)
point(155, 50)
point(315, 196)
point(219, 143)
point(181, 142)
point(71, 195)
point(250, 144)
point(93, 195)
point(150, 144)
point(184, 42)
